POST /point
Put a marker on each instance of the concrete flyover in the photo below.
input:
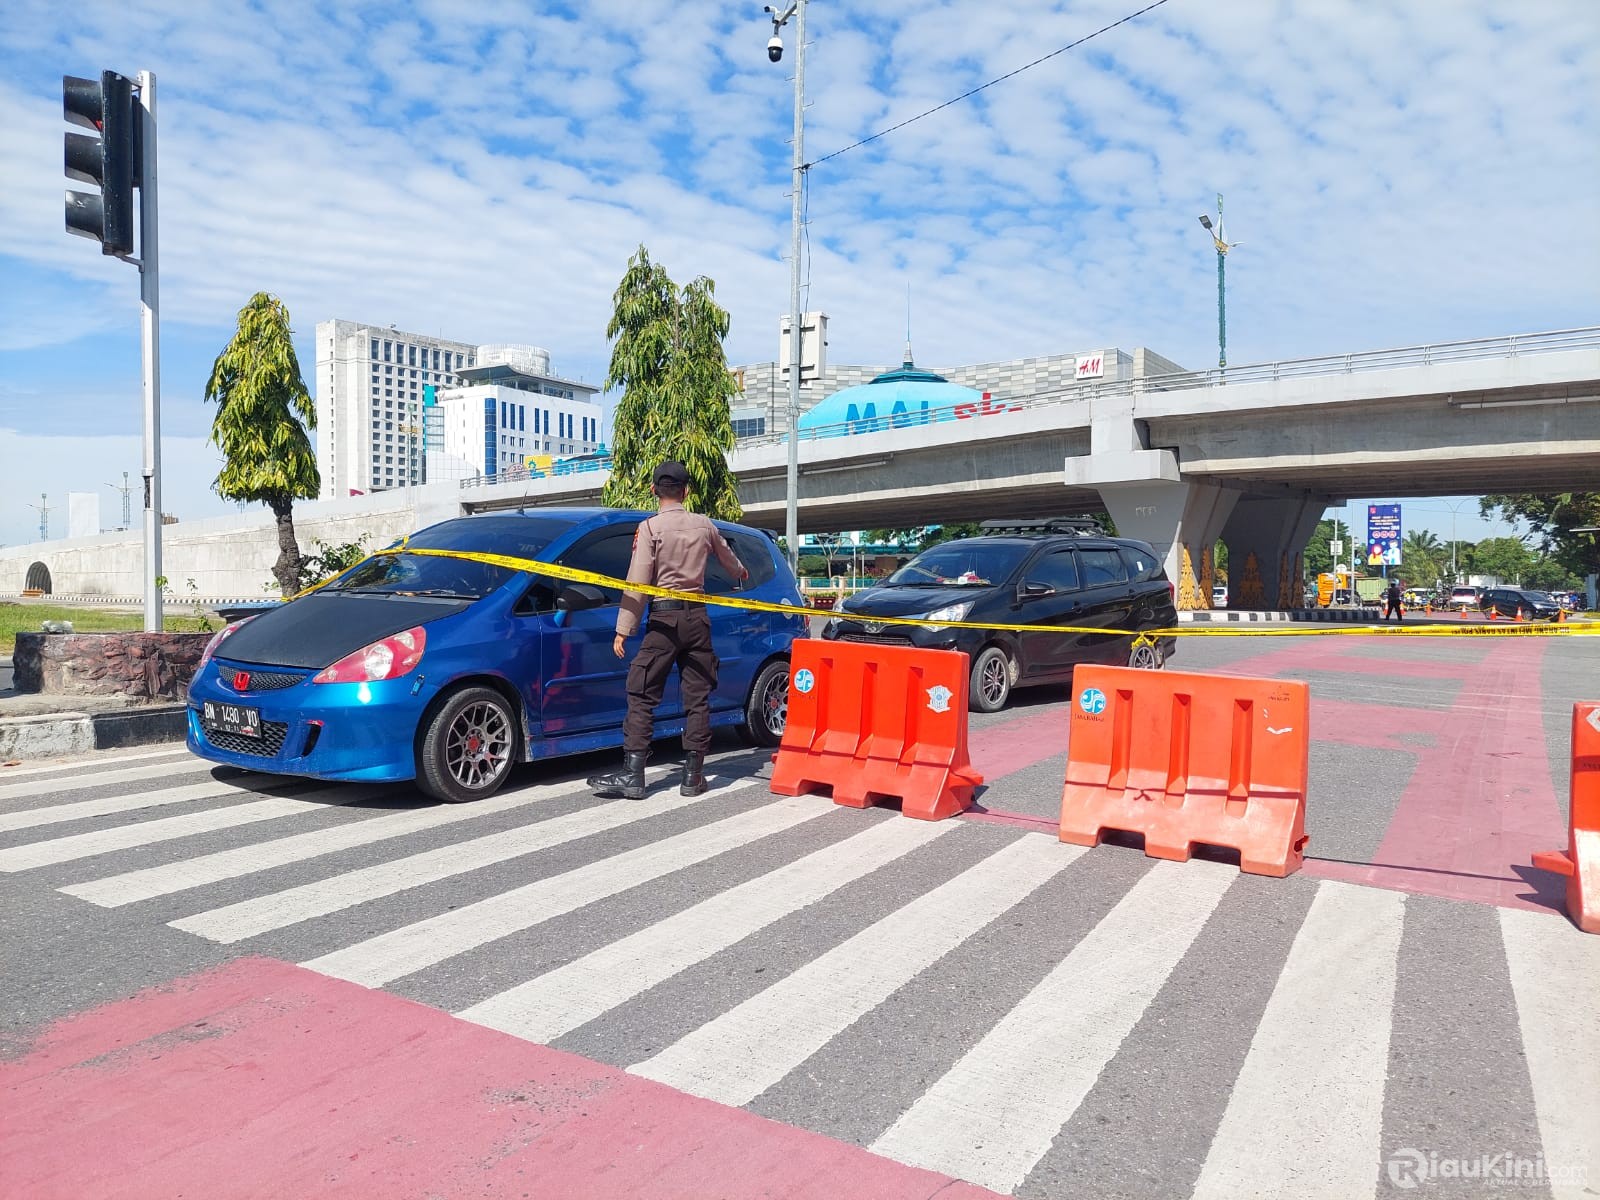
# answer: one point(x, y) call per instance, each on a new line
point(1250, 456)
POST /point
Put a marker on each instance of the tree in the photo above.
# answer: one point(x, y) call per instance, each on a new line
point(1504, 558)
point(1424, 558)
point(668, 359)
point(1554, 520)
point(263, 413)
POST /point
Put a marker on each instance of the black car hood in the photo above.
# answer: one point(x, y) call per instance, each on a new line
point(908, 601)
point(320, 629)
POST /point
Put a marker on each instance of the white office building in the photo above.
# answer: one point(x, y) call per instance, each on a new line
point(509, 415)
point(369, 394)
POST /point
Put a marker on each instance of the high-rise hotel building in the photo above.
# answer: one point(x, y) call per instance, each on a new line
point(370, 382)
point(398, 409)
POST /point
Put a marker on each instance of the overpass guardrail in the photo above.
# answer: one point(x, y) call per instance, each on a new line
point(1515, 345)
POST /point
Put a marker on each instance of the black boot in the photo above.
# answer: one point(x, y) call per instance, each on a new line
point(627, 783)
point(694, 775)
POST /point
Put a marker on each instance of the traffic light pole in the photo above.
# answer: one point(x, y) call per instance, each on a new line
point(150, 347)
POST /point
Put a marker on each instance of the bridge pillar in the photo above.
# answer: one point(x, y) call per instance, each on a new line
point(1149, 500)
point(1266, 538)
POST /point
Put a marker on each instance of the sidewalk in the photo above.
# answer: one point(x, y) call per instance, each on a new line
point(43, 724)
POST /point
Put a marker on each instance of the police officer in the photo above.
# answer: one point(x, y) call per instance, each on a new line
point(669, 550)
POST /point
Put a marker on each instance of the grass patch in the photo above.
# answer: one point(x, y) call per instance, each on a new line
point(26, 618)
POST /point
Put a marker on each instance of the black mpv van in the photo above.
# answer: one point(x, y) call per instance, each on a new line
point(1062, 571)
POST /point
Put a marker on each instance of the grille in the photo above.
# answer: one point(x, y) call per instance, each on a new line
point(875, 639)
point(266, 746)
point(260, 681)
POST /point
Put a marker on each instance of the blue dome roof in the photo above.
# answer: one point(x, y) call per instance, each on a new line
point(904, 396)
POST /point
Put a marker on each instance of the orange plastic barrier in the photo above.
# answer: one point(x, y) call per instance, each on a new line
point(877, 722)
point(1581, 861)
point(1189, 759)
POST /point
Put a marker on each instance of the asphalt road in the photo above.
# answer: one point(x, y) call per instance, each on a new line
point(527, 979)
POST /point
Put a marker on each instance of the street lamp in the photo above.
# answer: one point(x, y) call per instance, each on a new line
point(797, 10)
point(1219, 238)
point(1455, 508)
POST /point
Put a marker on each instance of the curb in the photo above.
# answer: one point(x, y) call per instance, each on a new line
point(1225, 616)
point(51, 734)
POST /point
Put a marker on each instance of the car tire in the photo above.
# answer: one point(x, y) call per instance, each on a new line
point(766, 708)
point(992, 676)
point(469, 746)
point(1149, 657)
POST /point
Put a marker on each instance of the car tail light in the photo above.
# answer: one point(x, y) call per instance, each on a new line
point(388, 658)
point(1172, 593)
point(218, 637)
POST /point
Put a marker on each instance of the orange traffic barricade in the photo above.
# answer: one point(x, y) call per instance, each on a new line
point(1186, 760)
point(876, 722)
point(1581, 861)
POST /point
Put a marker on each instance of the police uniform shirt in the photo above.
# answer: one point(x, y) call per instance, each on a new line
point(670, 550)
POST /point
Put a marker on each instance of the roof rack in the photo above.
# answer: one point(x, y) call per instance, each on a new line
point(1081, 526)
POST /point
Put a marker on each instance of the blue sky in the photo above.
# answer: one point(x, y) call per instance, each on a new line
point(1398, 173)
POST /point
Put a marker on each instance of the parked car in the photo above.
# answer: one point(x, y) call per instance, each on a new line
point(1063, 571)
point(1464, 598)
point(1219, 595)
point(1513, 602)
point(451, 671)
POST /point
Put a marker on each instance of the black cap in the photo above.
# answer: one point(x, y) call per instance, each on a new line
point(673, 473)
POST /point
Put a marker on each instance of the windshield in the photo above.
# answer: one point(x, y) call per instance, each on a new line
point(405, 574)
point(961, 564)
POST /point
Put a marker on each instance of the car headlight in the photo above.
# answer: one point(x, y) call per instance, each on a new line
point(950, 612)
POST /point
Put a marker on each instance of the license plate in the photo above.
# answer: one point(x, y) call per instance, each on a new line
point(232, 718)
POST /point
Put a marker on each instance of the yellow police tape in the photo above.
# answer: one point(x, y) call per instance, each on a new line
point(1229, 628)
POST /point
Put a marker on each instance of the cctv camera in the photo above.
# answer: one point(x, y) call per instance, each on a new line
point(775, 48)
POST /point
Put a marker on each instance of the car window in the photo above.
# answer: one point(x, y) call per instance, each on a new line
point(1057, 569)
point(1143, 565)
point(965, 563)
point(1101, 566)
point(606, 552)
point(748, 550)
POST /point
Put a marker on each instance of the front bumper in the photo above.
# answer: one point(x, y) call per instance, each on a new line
point(841, 629)
point(344, 731)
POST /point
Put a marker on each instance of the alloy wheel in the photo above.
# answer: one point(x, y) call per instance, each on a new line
point(478, 745)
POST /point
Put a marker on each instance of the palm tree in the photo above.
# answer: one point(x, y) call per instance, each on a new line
point(263, 413)
point(669, 361)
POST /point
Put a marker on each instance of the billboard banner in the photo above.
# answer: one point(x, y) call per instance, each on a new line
point(1383, 535)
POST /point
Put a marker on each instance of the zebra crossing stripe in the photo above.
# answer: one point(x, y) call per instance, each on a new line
point(58, 814)
point(1555, 977)
point(132, 886)
point(82, 764)
point(739, 1055)
point(260, 914)
point(402, 951)
point(166, 829)
point(544, 1008)
point(30, 789)
point(1306, 1115)
point(994, 1114)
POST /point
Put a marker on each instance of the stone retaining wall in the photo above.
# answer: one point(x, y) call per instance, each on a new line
point(144, 666)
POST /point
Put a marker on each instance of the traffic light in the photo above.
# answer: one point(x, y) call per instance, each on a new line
point(107, 107)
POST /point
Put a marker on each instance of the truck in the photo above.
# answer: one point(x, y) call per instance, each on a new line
point(1334, 587)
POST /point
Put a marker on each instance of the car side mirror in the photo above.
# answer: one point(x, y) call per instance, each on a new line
point(576, 597)
point(1034, 591)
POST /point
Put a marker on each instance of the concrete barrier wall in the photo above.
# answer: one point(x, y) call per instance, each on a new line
point(229, 556)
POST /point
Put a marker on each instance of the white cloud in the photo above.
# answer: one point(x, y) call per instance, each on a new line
point(1397, 172)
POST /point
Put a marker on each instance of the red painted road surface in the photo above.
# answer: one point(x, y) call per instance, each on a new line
point(261, 1079)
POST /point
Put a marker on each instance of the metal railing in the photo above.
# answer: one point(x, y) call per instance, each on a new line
point(1515, 345)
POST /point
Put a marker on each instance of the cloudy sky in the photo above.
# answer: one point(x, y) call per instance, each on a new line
point(1397, 173)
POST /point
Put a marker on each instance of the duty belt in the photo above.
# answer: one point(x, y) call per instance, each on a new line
point(674, 605)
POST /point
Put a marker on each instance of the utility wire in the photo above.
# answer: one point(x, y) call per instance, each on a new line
point(999, 79)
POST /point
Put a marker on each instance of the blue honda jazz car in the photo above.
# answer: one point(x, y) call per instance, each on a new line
point(450, 671)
